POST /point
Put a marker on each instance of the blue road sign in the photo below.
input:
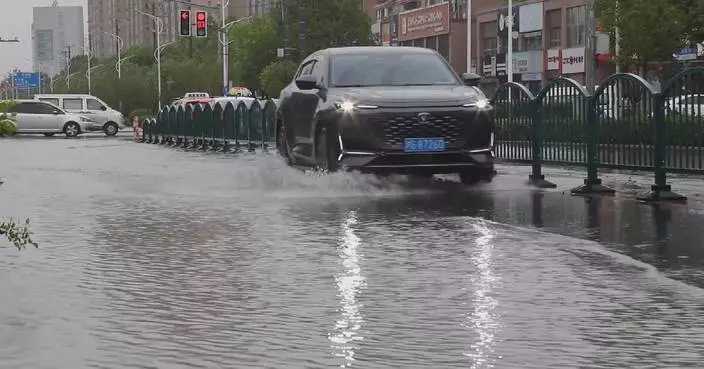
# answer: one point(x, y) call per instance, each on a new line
point(25, 79)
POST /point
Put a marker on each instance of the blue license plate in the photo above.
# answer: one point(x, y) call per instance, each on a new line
point(429, 144)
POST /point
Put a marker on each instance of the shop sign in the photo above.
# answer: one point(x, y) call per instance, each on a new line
point(553, 61)
point(527, 62)
point(573, 60)
point(424, 22)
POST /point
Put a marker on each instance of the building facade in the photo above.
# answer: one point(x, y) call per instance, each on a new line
point(549, 37)
point(55, 30)
point(110, 18)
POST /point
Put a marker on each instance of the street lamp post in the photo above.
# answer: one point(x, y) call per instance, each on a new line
point(120, 44)
point(88, 76)
point(159, 24)
point(224, 41)
point(89, 55)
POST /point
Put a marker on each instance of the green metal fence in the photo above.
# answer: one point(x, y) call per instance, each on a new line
point(625, 124)
point(229, 126)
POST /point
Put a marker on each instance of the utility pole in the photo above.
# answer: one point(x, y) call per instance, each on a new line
point(590, 50)
point(469, 35)
point(509, 54)
point(617, 41)
point(190, 39)
point(225, 46)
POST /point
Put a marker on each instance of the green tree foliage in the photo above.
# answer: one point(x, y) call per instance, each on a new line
point(276, 76)
point(651, 31)
point(17, 234)
point(318, 24)
point(253, 47)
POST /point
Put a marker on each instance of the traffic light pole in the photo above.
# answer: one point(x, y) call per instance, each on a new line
point(225, 47)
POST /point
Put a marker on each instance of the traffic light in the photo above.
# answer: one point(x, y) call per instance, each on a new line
point(185, 25)
point(201, 24)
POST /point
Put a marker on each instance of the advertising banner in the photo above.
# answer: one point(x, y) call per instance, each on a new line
point(424, 22)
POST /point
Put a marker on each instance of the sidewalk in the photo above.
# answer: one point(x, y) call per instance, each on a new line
point(626, 183)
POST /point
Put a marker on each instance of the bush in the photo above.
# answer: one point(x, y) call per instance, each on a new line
point(7, 125)
point(19, 235)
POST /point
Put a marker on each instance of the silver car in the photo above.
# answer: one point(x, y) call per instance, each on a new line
point(32, 116)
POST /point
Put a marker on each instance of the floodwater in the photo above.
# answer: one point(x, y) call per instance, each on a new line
point(154, 257)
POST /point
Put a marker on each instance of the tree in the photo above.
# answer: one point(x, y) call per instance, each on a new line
point(276, 76)
point(253, 47)
point(314, 24)
point(19, 235)
point(650, 31)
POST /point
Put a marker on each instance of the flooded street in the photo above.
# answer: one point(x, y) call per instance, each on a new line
point(154, 257)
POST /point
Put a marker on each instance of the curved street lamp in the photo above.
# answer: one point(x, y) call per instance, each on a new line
point(159, 24)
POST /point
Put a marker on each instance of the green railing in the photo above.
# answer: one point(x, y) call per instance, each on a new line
point(231, 126)
point(625, 124)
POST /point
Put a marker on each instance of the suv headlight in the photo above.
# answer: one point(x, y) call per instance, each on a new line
point(348, 106)
point(480, 104)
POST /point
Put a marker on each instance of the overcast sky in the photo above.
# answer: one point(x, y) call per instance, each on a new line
point(17, 21)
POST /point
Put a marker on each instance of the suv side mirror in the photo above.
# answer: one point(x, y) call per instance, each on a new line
point(307, 82)
point(471, 79)
point(103, 108)
point(56, 112)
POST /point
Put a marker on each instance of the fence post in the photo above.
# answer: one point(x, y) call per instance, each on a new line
point(537, 178)
point(592, 184)
point(660, 190)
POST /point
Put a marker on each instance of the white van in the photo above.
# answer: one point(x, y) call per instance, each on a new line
point(109, 120)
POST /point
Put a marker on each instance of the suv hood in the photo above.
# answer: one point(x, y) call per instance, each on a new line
point(403, 96)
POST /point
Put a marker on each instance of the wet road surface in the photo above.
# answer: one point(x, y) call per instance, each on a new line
point(153, 257)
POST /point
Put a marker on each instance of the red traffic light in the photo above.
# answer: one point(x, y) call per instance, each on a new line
point(201, 25)
point(185, 24)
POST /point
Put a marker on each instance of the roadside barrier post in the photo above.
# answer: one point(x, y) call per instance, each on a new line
point(537, 178)
point(660, 190)
point(592, 184)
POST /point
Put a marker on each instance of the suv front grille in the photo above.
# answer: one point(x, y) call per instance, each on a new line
point(449, 126)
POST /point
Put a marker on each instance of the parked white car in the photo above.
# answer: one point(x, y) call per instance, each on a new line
point(32, 116)
point(689, 105)
point(110, 120)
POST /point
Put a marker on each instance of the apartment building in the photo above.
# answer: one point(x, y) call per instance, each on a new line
point(110, 18)
point(55, 29)
point(549, 36)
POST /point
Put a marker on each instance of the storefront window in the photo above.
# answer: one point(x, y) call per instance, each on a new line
point(444, 46)
point(432, 43)
point(532, 41)
point(554, 28)
point(458, 8)
point(576, 26)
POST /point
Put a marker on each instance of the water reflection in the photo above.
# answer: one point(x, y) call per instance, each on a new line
point(349, 283)
point(485, 319)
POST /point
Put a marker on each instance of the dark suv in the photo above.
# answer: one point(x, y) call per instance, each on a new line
point(386, 110)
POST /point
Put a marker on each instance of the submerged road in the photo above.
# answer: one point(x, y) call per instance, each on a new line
point(153, 257)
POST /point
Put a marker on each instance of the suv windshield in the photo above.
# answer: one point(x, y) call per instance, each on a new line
point(390, 69)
